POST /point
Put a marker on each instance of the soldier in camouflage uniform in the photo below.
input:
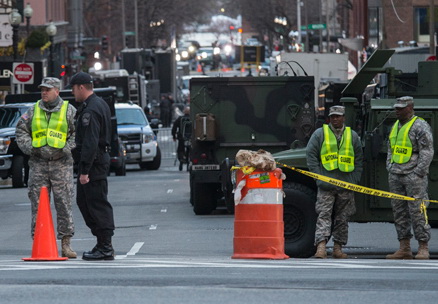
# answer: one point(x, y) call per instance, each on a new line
point(51, 161)
point(334, 151)
point(410, 152)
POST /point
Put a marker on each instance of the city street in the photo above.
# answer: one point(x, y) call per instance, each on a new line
point(166, 254)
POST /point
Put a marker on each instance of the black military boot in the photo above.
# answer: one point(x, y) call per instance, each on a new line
point(104, 251)
point(99, 241)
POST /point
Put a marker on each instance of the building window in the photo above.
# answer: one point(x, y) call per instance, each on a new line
point(375, 26)
point(421, 24)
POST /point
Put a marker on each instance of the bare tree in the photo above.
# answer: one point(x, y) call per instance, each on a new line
point(158, 20)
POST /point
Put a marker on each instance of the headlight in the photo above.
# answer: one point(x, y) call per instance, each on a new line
point(4, 144)
point(184, 54)
point(147, 138)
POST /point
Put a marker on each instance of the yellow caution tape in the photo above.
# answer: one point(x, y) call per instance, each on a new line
point(354, 187)
point(423, 209)
point(246, 169)
point(362, 189)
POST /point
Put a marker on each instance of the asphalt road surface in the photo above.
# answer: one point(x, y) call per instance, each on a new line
point(166, 254)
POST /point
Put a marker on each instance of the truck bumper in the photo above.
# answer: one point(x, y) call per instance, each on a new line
point(205, 176)
point(148, 152)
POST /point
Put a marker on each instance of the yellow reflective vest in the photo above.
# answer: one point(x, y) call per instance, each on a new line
point(334, 157)
point(52, 132)
point(401, 145)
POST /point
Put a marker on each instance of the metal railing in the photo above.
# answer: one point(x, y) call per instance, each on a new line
point(166, 143)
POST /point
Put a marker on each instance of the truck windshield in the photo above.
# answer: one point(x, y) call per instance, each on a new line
point(131, 117)
point(9, 117)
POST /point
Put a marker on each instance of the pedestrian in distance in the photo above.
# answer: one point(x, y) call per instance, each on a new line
point(93, 133)
point(334, 150)
point(46, 132)
point(410, 153)
point(181, 131)
point(165, 111)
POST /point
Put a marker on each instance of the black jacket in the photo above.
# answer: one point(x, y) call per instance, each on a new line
point(93, 137)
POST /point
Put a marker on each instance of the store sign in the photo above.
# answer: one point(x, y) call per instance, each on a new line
point(5, 31)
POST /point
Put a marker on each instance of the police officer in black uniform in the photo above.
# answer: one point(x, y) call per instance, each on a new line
point(93, 135)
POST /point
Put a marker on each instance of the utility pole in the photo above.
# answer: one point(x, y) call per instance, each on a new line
point(123, 25)
point(432, 50)
point(299, 20)
point(136, 23)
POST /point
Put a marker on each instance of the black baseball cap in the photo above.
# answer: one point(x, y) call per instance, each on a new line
point(81, 78)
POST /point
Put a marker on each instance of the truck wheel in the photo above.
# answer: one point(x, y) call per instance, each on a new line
point(155, 164)
point(299, 220)
point(204, 198)
point(18, 172)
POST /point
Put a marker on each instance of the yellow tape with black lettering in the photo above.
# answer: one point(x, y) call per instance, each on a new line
point(354, 187)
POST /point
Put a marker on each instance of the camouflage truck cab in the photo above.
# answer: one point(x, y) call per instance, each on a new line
point(372, 120)
point(233, 113)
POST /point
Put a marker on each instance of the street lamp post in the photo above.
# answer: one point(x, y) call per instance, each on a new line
point(15, 20)
point(51, 31)
point(28, 12)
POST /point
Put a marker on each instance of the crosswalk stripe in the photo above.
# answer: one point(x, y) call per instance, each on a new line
point(131, 261)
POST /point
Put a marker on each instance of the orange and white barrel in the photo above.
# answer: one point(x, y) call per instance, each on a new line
point(258, 222)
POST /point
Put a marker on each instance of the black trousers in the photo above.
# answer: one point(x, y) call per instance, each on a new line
point(96, 210)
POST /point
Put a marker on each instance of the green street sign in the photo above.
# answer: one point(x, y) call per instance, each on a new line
point(319, 26)
point(129, 33)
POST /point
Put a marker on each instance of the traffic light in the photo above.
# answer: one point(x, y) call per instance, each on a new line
point(240, 30)
point(104, 43)
point(63, 70)
point(231, 27)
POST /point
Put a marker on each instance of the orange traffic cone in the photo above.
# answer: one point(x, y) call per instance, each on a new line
point(199, 68)
point(44, 243)
point(258, 216)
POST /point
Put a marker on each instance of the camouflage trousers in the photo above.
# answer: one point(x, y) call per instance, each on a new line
point(57, 176)
point(407, 214)
point(334, 208)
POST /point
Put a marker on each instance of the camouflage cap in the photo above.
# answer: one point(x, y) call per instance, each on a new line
point(404, 101)
point(337, 110)
point(50, 82)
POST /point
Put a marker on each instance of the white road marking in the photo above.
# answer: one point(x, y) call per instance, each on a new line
point(123, 261)
point(153, 227)
point(133, 251)
point(169, 191)
point(23, 204)
point(164, 210)
point(135, 248)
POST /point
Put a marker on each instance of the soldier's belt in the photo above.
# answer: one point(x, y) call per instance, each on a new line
point(361, 189)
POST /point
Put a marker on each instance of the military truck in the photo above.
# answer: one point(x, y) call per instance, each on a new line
point(372, 119)
point(233, 113)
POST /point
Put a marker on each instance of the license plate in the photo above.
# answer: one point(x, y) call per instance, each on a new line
point(205, 167)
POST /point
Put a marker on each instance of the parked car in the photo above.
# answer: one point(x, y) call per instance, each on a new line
point(137, 136)
point(13, 162)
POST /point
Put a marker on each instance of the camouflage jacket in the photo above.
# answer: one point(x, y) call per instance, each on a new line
point(422, 151)
point(313, 151)
point(24, 133)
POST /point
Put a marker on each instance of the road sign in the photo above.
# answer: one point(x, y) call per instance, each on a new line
point(23, 73)
point(129, 33)
point(319, 26)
